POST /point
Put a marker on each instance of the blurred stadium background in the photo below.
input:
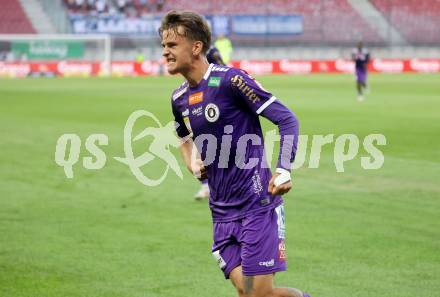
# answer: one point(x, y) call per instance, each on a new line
point(268, 36)
point(102, 233)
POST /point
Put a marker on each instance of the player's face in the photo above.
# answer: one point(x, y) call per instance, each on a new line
point(177, 51)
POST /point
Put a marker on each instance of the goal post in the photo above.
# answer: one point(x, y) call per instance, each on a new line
point(66, 49)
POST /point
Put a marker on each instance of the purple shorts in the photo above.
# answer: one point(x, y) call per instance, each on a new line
point(361, 75)
point(256, 242)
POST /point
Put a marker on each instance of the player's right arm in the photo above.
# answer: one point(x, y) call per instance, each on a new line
point(188, 150)
point(192, 159)
point(353, 55)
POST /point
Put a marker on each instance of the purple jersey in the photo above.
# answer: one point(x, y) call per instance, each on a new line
point(223, 109)
point(213, 56)
point(361, 57)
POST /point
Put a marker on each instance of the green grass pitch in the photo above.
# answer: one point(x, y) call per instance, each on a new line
point(358, 233)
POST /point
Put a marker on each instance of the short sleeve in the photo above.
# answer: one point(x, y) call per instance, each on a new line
point(249, 91)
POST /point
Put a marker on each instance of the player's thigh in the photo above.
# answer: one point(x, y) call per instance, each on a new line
point(226, 250)
point(236, 277)
point(251, 286)
point(262, 243)
point(258, 285)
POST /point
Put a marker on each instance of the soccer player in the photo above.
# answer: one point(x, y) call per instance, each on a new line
point(203, 192)
point(223, 104)
point(361, 58)
point(214, 57)
point(224, 46)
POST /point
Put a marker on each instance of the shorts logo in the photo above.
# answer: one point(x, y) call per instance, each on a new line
point(212, 113)
point(214, 81)
point(267, 263)
point(195, 98)
point(220, 261)
point(282, 251)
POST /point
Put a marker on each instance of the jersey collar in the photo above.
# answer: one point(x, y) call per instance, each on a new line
point(208, 72)
point(205, 77)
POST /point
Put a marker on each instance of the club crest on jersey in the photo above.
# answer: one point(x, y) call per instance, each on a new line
point(195, 98)
point(212, 112)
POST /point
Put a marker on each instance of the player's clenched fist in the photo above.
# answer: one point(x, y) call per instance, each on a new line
point(198, 169)
point(280, 189)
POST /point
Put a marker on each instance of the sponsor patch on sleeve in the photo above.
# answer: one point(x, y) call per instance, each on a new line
point(239, 83)
point(214, 81)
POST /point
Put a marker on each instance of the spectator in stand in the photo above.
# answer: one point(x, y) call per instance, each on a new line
point(159, 5)
point(91, 5)
point(71, 4)
point(112, 11)
point(143, 3)
point(80, 5)
point(101, 6)
point(143, 7)
point(121, 4)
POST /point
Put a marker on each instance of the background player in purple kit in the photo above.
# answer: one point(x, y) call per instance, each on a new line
point(361, 58)
point(214, 57)
point(222, 105)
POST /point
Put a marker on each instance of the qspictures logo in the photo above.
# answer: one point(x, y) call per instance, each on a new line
point(346, 147)
point(163, 139)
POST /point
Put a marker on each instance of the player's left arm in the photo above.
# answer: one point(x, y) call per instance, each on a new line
point(288, 126)
point(265, 104)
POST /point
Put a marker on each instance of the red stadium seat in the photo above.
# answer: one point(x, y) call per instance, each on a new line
point(329, 21)
point(324, 22)
point(417, 20)
point(13, 19)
